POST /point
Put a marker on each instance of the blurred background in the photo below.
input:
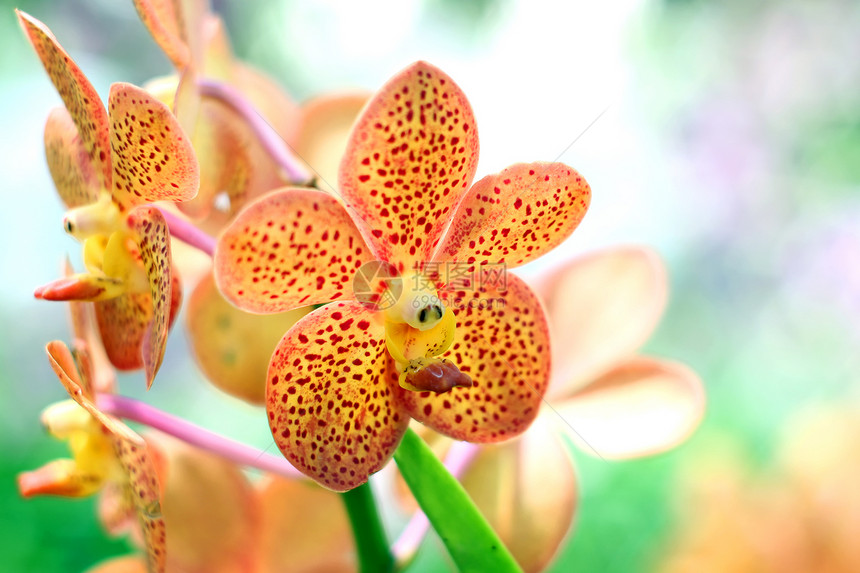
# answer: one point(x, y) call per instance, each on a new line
point(725, 135)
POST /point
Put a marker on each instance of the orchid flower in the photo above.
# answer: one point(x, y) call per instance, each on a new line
point(107, 456)
point(106, 165)
point(220, 522)
point(345, 379)
point(610, 401)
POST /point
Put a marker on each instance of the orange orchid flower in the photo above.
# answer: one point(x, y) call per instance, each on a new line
point(107, 164)
point(345, 379)
point(107, 457)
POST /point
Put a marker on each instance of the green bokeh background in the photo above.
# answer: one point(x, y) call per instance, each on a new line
point(729, 140)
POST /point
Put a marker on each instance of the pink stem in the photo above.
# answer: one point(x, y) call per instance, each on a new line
point(186, 232)
point(276, 147)
point(195, 435)
point(459, 458)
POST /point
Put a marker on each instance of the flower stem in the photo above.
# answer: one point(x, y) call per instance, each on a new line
point(136, 411)
point(459, 457)
point(373, 553)
point(186, 232)
point(275, 146)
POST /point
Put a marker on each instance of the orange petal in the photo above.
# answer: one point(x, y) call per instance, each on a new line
point(329, 397)
point(78, 94)
point(231, 346)
point(139, 468)
point(641, 407)
point(526, 488)
point(123, 323)
point(410, 158)
point(125, 564)
point(81, 287)
point(210, 511)
point(323, 133)
point(502, 343)
point(68, 161)
point(289, 249)
point(163, 19)
point(153, 240)
point(59, 477)
point(601, 307)
point(517, 215)
point(152, 157)
point(304, 529)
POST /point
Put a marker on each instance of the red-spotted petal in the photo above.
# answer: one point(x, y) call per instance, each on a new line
point(502, 343)
point(323, 133)
point(304, 529)
point(410, 158)
point(122, 322)
point(641, 407)
point(153, 240)
point(78, 94)
point(116, 509)
point(329, 396)
point(142, 480)
point(231, 346)
point(526, 488)
point(68, 161)
point(517, 215)
point(163, 19)
point(291, 248)
point(152, 158)
point(602, 307)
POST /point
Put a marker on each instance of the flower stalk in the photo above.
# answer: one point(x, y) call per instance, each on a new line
point(194, 435)
point(275, 146)
point(370, 541)
point(188, 233)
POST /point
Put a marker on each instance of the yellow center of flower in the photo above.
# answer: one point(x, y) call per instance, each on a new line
point(418, 327)
point(99, 218)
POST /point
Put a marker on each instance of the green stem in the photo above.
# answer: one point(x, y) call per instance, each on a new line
point(372, 546)
point(470, 540)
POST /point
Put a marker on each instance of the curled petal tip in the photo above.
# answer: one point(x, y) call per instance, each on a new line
point(433, 375)
point(80, 287)
point(60, 478)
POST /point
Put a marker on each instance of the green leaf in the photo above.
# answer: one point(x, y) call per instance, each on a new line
point(470, 540)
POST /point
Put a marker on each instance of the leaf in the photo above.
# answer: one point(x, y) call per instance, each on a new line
point(470, 540)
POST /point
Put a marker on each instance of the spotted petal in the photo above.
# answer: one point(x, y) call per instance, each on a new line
point(163, 19)
point(140, 472)
point(517, 215)
point(68, 161)
point(152, 157)
point(411, 157)
point(78, 94)
point(502, 343)
point(304, 529)
point(526, 488)
point(329, 396)
point(641, 407)
point(231, 346)
point(153, 240)
point(602, 307)
point(290, 248)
